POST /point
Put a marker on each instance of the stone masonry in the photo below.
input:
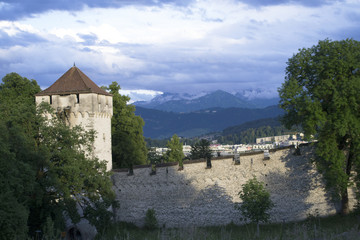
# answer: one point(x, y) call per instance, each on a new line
point(203, 197)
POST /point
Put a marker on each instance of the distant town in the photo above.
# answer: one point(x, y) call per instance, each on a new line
point(264, 143)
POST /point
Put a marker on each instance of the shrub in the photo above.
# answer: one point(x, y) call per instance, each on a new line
point(256, 201)
point(150, 219)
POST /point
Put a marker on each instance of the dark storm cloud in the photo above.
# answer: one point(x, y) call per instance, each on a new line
point(203, 72)
point(17, 9)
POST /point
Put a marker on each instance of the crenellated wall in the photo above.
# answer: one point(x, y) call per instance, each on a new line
point(201, 197)
point(91, 111)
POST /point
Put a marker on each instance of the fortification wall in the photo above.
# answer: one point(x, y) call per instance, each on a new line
point(201, 197)
point(91, 111)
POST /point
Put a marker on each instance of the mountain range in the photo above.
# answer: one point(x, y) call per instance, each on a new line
point(161, 124)
point(185, 103)
point(193, 115)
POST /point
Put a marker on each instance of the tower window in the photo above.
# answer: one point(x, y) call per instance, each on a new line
point(77, 98)
point(50, 99)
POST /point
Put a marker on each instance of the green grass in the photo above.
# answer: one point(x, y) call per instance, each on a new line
point(333, 227)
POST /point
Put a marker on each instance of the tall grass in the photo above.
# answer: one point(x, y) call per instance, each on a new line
point(333, 227)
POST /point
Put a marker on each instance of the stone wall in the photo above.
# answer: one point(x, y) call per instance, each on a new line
point(201, 197)
point(91, 111)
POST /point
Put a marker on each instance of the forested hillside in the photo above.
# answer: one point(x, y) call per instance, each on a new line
point(249, 131)
point(160, 124)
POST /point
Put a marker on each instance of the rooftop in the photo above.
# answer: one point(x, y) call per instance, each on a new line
point(72, 82)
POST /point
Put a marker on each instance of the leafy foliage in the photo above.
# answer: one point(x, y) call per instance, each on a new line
point(256, 201)
point(44, 172)
point(153, 157)
point(67, 176)
point(175, 152)
point(16, 183)
point(17, 153)
point(150, 219)
point(128, 144)
point(320, 94)
point(201, 149)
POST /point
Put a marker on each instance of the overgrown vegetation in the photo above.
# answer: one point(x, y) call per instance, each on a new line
point(150, 219)
point(256, 202)
point(175, 151)
point(128, 143)
point(330, 228)
point(45, 173)
point(321, 94)
point(201, 149)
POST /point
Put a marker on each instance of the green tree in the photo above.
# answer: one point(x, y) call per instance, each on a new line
point(320, 94)
point(44, 171)
point(128, 143)
point(201, 149)
point(150, 219)
point(175, 152)
point(17, 153)
point(16, 184)
point(67, 177)
point(256, 202)
point(153, 157)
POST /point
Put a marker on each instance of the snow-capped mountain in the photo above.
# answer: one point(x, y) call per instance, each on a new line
point(177, 102)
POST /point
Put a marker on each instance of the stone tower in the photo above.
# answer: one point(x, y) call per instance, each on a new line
point(83, 103)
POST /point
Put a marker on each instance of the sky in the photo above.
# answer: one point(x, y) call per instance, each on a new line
point(178, 46)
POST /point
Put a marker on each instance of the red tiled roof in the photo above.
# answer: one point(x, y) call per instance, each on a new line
point(73, 81)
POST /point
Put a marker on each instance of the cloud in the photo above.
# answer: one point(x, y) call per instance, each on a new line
point(165, 46)
point(140, 94)
point(22, 38)
point(88, 39)
point(311, 3)
point(17, 9)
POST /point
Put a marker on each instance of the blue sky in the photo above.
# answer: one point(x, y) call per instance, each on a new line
point(168, 45)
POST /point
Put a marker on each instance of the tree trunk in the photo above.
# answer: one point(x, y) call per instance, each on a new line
point(345, 209)
point(257, 230)
point(131, 170)
point(208, 162)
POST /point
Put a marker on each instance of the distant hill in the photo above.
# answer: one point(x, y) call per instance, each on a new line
point(249, 131)
point(271, 122)
point(161, 124)
point(219, 99)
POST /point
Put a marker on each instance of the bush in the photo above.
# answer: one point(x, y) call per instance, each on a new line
point(150, 219)
point(256, 201)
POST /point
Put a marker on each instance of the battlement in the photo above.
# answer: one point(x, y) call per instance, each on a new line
point(79, 103)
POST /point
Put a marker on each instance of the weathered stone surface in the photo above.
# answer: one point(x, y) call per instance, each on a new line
point(92, 112)
point(201, 197)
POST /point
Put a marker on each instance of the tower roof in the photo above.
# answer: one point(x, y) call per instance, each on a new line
point(73, 81)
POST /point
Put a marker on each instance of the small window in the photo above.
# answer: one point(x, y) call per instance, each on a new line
point(77, 98)
point(50, 99)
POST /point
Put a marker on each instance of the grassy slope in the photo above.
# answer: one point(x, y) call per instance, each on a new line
point(333, 227)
